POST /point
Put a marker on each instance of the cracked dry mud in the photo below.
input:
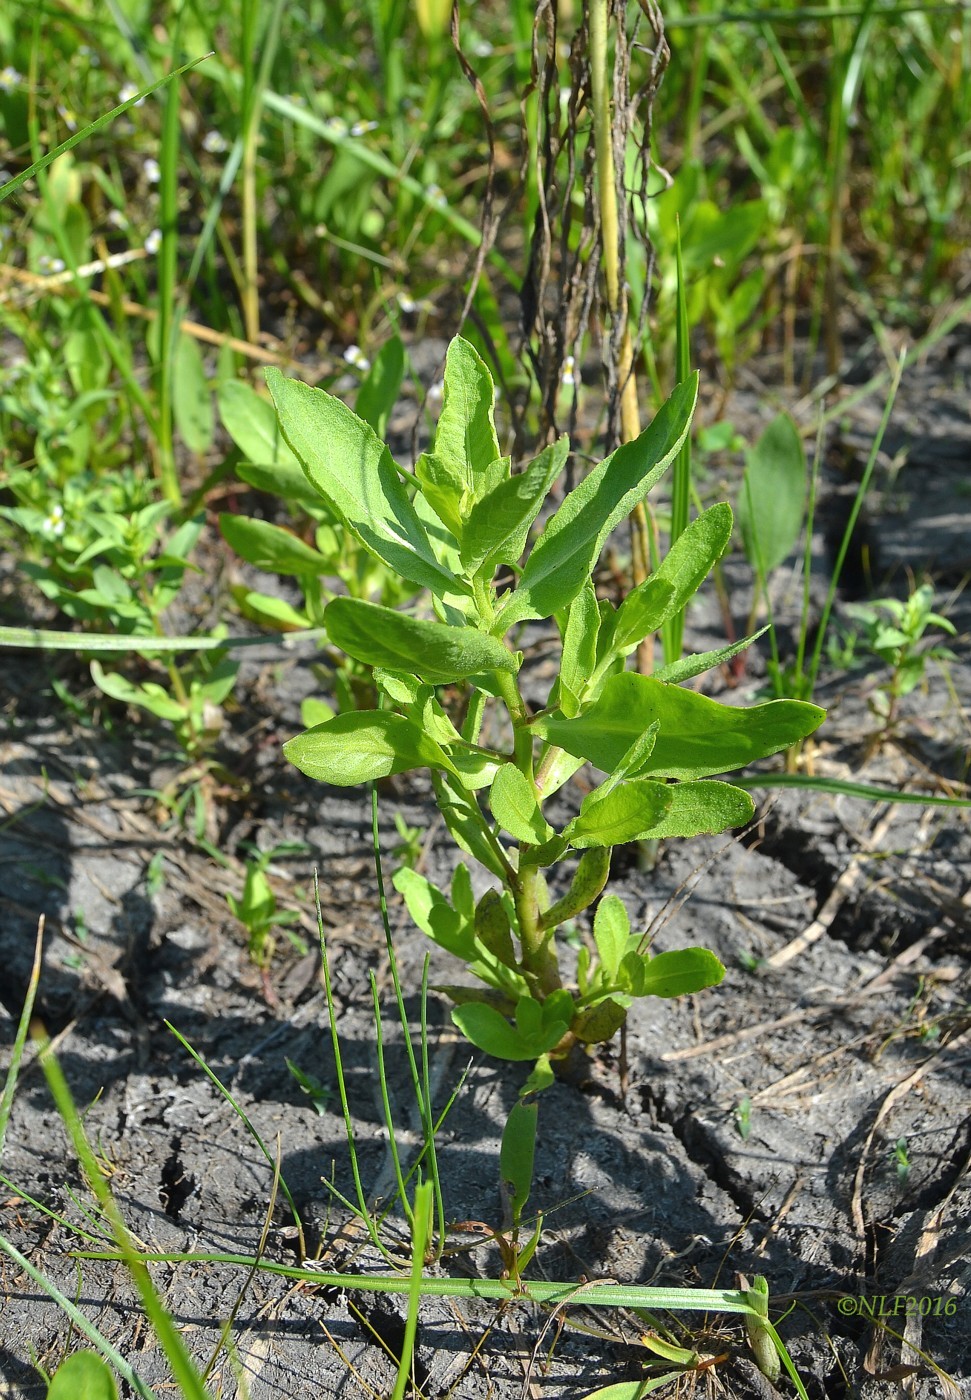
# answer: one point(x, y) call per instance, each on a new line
point(753, 1130)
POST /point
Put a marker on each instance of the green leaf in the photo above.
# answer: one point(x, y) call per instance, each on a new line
point(149, 696)
point(191, 399)
point(465, 439)
point(497, 526)
point(673, 974)
point(354, 748)
point(579, 656)
point(254, 427)
point(516, 1155)
point(772, 503)
point(703, 808)
point(354, 472)
point(379, 389)
point(289, 483)
point(270, 547)
point(434, 915)
point(83, 1376)
point(690, 666)
point(465, 822)
point(436, 652)
point(602, 1021)
point(611, 931)
point(515, 807)
point(488, 1030)
point(263, 607)
point(628, 813)
point(314, 711)
point(565, 553)
point(696, 738)
point(634, 762)
point(535, 1031)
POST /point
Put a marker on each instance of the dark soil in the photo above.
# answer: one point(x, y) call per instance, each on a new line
point(749, 1130)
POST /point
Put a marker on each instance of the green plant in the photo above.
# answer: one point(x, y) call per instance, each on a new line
point(448, 528)
point(335, 561)
point(901, 1159)
point(892, 630)
point(257, 909)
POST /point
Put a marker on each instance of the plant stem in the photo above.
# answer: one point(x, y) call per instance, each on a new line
point(616, 298)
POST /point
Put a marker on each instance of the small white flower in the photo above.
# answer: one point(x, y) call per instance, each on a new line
point(569, 371)
point(45, 263)
point(355, 356)
point(128, 92)
point(54, 522)
point(482, 48)
point(117, 219)
point(435, 195)
point(152, 171)
point(362, 128)
point(407, 303)
point(68, 117)
point(10, 79)
point(153, 242)
point(215, 143)
point(335, 126)
point(436, 391)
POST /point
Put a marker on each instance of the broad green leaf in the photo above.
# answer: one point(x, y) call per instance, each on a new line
point(314, 711)
point(84, 358)
point(497, 526)
point(489, 1030)
point(83, 1376)
point(379, 390)
point(254, 427)
point(601, 1022)
point(674, 974)
point(149, 696)
point(465, 439)
point(438, 653)
point(565, 553)
point(516, 1155)
point(354, 748)
point(611, 930)
point(191, 399)
point(579, 657)
point(515, 807)
point(354, 472)
point(270, 547)
point(703, 808)
point(640, 613)
point(493, 927)
point(444, 492)
point(697, 737)
point(263, 607)
point(628, 813)
point(288, 482)
point(434, 915)
point(772, 503)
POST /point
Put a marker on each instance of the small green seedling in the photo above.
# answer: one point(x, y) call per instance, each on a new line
point(892, 630)
point(743, 1117)
point(901, 1160)
point(449, 528)
point(257, 909)
point(318, 1093)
